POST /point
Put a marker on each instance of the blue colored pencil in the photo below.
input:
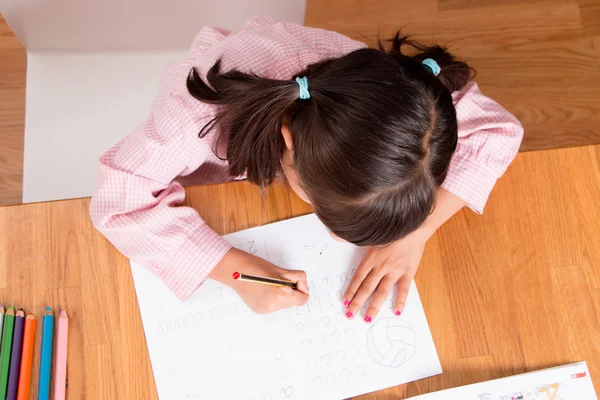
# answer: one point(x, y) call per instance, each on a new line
point(46, 355)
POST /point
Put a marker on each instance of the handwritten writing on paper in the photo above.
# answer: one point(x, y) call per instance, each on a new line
point(214, 346)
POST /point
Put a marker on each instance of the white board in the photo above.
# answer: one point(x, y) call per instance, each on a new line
point(213, 346)
point(78, 106)
point(93, 70)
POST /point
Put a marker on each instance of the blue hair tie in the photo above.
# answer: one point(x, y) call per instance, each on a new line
point(303, 84)
point(432, 65)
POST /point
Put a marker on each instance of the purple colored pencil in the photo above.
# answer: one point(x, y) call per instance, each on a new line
point(15, 356)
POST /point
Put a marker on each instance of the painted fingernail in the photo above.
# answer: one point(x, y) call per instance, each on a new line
point(349, 315)
point(398, 312)
point(368, 319)
point(346, 303)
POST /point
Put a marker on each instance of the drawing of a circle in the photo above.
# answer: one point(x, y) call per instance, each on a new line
point(391, 342)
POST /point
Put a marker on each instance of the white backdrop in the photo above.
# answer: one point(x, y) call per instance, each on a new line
point(93, 70)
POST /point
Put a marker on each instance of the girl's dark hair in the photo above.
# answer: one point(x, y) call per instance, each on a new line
point(372, 145)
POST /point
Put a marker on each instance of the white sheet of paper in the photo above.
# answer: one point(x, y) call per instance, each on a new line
point(569, 382)
point(214, 347)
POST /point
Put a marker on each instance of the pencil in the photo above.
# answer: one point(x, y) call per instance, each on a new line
point(15, 356)
point(46, 355)
point(1, 319)
point(26, 358)
point(7, 332)
point(265, 281)
point(60, 360)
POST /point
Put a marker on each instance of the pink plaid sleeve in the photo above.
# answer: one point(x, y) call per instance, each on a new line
point(137, 202)
point(488, 140)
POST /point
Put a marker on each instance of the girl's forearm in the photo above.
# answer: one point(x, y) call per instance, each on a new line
point(447, 204)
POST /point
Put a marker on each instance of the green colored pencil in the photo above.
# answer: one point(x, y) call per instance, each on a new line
point(7, 333)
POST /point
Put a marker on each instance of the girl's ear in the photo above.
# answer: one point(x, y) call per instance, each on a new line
point(287, 137)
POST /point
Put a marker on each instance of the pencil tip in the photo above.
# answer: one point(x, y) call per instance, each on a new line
point(63, 313)
point(48, 309)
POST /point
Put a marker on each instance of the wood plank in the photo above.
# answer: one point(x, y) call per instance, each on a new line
point(531, 66)
point(578, 303)
point(12, 121)
point(462, 4)
point(486, 28)
point(12, 115)
point(104, 375)
point(590, 16)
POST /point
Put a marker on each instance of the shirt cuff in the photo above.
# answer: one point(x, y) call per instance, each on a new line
point(191, 263)
point(470, 182)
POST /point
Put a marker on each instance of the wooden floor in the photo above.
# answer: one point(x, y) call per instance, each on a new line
point(539, 58)
point(514, 290)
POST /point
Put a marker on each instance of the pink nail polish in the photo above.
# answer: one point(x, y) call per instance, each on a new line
point(349, 315)
point(398, 312)
point(346, 303)
point(368, 319)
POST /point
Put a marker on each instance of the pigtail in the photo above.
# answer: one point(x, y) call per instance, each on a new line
point(250, 119)
point(454, 73)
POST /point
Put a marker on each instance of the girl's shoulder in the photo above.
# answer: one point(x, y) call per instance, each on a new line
point(269, 48)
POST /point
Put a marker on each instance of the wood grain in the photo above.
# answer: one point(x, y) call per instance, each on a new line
point(492, 286)
point(590, 16)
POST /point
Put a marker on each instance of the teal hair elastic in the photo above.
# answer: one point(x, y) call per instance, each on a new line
point(304, 94)
point(432, 65)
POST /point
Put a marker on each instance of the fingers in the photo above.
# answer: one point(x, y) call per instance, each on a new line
point(381, 293)
point(357, 279)
point(299, 277)
point(291, 297)
point(365, 290)
point(403, 287)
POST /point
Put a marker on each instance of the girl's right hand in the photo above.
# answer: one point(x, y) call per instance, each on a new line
point(262, 299)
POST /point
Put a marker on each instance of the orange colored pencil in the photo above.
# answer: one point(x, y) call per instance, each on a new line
point(26, 358)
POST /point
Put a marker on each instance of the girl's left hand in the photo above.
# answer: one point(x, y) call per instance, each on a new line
point(382, 268)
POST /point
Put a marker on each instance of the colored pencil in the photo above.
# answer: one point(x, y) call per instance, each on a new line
point(26, 358)
point(15, 356)
point(46, 355)
point(1, 320)
point(7, 333)
point(264, 281)
point(60, 359)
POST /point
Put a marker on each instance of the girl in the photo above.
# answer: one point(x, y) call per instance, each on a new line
point(385, 146)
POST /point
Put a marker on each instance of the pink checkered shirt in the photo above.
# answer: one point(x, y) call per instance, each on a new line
point(136, 204)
